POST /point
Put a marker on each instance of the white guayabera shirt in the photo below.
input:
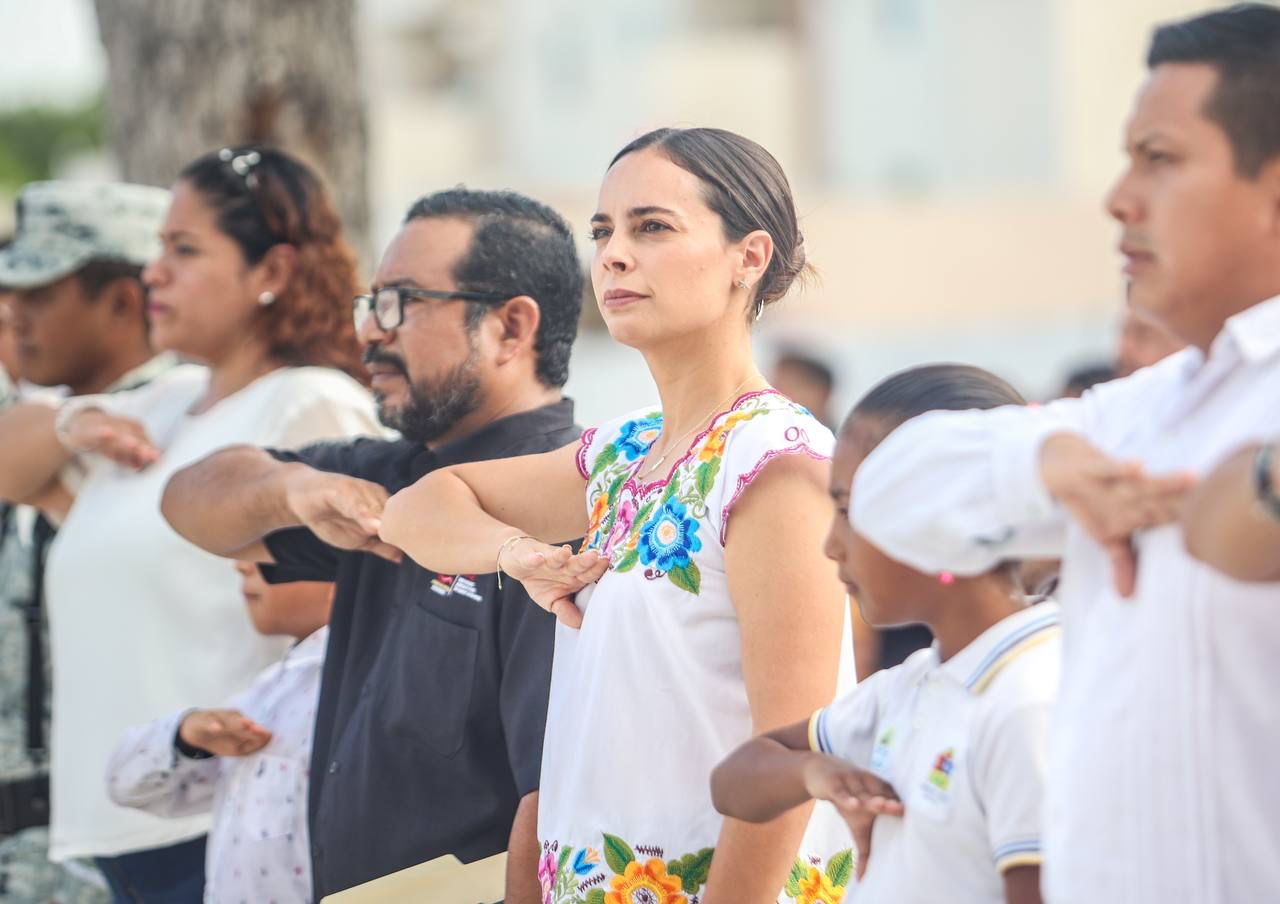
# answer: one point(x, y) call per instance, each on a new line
point(258, 848)
point(1162, 782)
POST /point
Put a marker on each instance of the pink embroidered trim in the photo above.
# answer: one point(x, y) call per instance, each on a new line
point(639, 492)
point(587, 437)
point(745, 480)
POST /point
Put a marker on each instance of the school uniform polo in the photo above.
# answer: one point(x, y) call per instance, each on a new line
point(1163, 783)
point(433, 696)
point(964, 744)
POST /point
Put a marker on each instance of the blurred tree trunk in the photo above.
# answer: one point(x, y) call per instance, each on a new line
point(190, 76)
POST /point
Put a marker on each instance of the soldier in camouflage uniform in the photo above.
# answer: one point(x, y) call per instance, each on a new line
point(78, 247)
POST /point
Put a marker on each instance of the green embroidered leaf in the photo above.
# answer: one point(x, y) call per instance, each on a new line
point(839, 867)
point(628, 561)
point(672, 485)
point(616, 487)
point(693, 869)
point(606, 457)
point(799, 872)
point(595, 896)
point(687, 577)
point(617, 853)
point(643, 514)
point(564, 858)
point(705, 477)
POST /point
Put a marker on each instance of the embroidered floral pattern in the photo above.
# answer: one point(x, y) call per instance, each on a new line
point(661, 525)
point(808, 884)
point(571, 875)
point(578, 877)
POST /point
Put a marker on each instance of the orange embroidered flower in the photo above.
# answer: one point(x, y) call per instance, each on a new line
point(598, 513)
point(818, 889)
point(647, 884)
point(713, 446)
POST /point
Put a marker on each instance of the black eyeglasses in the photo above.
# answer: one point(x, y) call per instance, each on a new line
point(387, 304)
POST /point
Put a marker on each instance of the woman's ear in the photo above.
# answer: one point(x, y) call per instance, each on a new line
point(756, 251)
point(518, 320)
point(275, 270)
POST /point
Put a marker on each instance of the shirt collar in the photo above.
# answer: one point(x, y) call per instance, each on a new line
point(497, 438)
point(1255, 331)
point(975, 665)
point(144, 372)
point(309, 650)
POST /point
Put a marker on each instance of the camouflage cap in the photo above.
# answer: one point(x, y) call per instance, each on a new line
point(61, 226)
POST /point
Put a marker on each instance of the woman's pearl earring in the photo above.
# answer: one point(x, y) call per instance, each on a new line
point(267, 298)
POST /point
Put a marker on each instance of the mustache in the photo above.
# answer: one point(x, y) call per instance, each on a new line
point(375, 355)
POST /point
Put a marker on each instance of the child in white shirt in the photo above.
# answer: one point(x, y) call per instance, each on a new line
point(245, 762)
point(946, 751)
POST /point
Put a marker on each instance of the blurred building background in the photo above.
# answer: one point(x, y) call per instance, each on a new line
point(949, 156)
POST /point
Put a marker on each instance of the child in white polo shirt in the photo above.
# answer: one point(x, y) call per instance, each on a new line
point(245, 762)
point(946, 751)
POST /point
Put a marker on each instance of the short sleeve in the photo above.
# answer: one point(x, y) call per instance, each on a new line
point(847, 728)
point(317, 404)
point(1009, 775)
point(586, 455)
point(755, 436)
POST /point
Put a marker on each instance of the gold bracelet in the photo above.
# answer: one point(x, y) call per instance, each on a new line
point(509, 542)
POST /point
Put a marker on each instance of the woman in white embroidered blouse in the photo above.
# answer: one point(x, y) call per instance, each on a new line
point(700, 611)
point(254, 280)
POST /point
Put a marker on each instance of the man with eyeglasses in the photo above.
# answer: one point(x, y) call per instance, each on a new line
point(428, 736)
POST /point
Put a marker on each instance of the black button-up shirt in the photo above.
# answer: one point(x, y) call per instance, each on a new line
point(434, 692)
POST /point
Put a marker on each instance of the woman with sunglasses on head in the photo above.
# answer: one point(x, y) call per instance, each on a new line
point(700, 610)
point(254, 282)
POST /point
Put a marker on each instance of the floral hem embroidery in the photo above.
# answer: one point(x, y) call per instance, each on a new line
point(641, 875)
point(571, 875)
point(810, 884)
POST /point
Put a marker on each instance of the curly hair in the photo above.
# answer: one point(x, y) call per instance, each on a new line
point(263, 197)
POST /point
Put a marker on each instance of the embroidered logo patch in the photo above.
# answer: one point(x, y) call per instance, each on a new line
point(456, 585)
point(880, 754)
point(940, 775)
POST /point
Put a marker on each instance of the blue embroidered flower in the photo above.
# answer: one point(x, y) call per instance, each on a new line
point(585, 861)
point(638, 435)
point(668, 537)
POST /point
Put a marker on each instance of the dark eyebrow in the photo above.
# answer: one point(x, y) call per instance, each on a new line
point(637, 212)
point(1147, 140)
point(178, 233)
point(403, 282)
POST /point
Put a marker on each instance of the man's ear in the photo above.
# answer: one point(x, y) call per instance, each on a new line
point(125, 300)
point(518, 322)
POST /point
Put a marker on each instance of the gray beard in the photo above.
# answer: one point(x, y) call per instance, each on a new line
point(435, 408)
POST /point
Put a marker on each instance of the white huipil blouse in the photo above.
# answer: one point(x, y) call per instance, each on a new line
point(648, 696)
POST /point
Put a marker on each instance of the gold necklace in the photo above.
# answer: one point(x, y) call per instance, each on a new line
point(675, 444)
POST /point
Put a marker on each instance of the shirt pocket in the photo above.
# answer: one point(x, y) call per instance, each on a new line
point(430, 681)
point(275, 797)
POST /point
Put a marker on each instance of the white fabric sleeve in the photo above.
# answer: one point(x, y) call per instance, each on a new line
point(1009, 774)
point(147, 773)
point(847, 728)
point(329, 406)
point(961, 491)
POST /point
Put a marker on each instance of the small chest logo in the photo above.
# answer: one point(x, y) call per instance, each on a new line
point(880, 754)
point(456, 585)
point(943, 766)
